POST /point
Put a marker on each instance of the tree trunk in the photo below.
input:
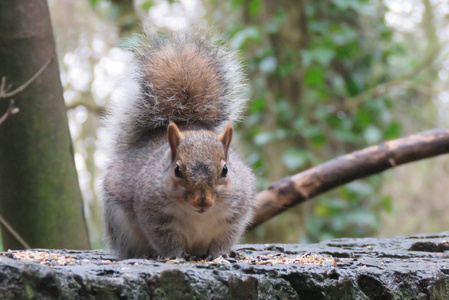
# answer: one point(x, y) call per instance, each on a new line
point(39, 192)
point(286, 42)
point(291, 35)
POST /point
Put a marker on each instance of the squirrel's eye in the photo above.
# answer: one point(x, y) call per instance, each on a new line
point(224, 172)
point(178, 171)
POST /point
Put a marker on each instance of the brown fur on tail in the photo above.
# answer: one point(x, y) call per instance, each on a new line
point(186, 80)
point(182, 77)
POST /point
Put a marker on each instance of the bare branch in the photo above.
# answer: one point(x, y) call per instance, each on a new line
point(3, 85)
point(12, 110)
point(293, 190)
point(14, 233)
point(4, 90)
point(97, 109)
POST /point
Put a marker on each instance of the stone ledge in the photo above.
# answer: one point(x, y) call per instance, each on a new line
point(415, 267)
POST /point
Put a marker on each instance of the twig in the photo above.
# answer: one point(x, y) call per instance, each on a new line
point(12, 110)
point(14, 233)
point(4, 91)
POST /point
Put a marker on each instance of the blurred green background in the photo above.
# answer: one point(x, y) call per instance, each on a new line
point(326, 78)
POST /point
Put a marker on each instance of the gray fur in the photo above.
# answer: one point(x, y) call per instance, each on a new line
point(144, 214)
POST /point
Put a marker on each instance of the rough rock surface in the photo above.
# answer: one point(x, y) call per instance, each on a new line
point(415, 267)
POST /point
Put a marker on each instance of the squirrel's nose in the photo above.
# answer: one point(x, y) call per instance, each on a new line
point(202, 200)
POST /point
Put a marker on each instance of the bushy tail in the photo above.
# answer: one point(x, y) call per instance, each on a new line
point(183, 77)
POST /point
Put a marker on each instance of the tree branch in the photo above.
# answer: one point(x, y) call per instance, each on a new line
point(96, 109)
point(4, 90)
point(293, 190)
point(12, 110)
point(14, 233)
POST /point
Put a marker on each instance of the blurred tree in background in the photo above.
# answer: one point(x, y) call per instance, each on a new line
point(326, 77)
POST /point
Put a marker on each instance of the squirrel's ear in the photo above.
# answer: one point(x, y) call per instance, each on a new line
point(226, 138)
point(174, 137)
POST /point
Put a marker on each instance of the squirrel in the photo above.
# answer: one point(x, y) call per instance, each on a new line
point(173, 187)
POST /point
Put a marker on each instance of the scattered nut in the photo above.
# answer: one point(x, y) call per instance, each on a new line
point(42, 257)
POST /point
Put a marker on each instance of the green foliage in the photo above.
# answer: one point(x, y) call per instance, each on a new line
point(351, 211)
point(343, 53)
point(147, 5)
point(95, 2)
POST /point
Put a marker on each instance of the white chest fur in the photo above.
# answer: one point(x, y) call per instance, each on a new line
point(197, 231)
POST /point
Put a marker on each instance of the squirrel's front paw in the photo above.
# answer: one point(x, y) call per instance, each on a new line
point(176, 255)
point(214, 255)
